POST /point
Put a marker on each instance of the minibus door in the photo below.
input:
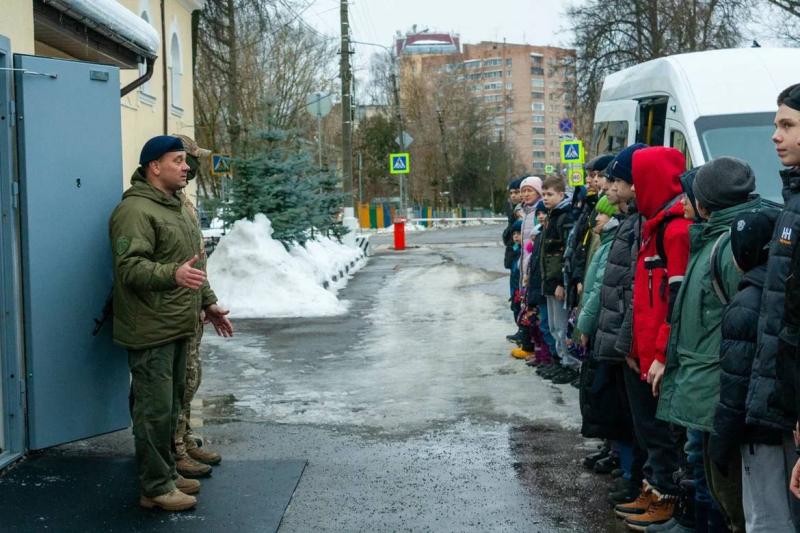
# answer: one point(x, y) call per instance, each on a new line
point(676, 138)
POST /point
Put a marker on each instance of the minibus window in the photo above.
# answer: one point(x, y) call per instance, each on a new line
point(749, 137)
point(652, 119)
point(678, 141)
point(609, 137)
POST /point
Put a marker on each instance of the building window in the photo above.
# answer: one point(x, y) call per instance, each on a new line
point(538, 165)
point(492, 62)
point(494, 86)
point(508, 74)
point(536, 60)
point(537, 106)
point(509, 86)
point(537, 82)
point(508, 62)
point(175, 73)
point(493, 74)
point(537, 96)
point(538, 142)
point(538, 131)
point(474, 63)
point(538, 119)
point(537, 71)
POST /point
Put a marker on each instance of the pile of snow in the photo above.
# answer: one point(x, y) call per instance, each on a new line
point(256, 277)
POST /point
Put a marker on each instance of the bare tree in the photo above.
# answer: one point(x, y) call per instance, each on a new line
point(790, 29)
point(614, 34)
point(455, 150)
point(792, 6)
point(256, 64)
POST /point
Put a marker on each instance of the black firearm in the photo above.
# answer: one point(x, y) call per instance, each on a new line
point(108, 311)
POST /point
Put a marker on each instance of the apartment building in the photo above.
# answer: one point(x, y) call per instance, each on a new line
point(528, 89)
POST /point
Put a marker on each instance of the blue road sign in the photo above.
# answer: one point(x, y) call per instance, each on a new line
point(572, 152)
point(399, 163)
point(220, 164)
point(565, 125)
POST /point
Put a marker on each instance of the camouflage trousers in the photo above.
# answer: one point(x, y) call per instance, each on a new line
point(184, 438)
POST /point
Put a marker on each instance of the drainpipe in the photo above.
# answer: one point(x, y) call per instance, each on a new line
point(164, 66)
point(141, 80)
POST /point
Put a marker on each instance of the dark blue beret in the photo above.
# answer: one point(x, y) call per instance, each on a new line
point(517, 225)
point(158, 146)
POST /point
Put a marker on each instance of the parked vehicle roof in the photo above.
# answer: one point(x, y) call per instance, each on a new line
point(716, 82)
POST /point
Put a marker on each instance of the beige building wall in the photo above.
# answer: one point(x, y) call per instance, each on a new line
point(16, 23)
point(142, 110)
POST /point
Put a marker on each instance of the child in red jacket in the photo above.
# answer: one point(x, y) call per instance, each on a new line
point(660, 266)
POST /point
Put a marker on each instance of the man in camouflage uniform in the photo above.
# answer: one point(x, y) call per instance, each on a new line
point(190, 459)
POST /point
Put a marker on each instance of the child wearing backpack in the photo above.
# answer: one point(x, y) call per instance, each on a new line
point(733, 443)
point(660, 266)
point(690, 388)
point(554, 235)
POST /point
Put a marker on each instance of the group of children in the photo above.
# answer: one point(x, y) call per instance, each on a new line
point(671, 299)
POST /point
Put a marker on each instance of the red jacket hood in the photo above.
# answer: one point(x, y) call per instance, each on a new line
point(657, 177)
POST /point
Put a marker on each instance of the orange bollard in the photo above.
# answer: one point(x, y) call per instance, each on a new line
point(400, 234)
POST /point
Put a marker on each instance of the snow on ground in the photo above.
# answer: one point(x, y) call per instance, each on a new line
point(256, 277)
point(430, 351)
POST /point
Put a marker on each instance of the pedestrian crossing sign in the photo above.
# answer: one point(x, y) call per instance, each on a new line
point(399, 163)
point(572, 152)
point(220, 164)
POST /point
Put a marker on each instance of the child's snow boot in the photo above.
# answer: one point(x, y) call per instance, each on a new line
point(519, 353)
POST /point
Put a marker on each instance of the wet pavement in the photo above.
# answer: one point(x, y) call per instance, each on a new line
point(409, 410)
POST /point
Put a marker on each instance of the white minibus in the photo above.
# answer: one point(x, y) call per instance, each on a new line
point(706, 104)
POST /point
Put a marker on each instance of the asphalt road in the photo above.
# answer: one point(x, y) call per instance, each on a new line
point(410, 411)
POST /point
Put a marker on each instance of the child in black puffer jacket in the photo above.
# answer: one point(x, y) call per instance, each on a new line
point(733, 442)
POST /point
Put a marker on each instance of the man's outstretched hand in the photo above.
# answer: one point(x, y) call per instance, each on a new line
point(217, 316)
point(189, 277)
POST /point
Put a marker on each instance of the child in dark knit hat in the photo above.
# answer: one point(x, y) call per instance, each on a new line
point(732, 440)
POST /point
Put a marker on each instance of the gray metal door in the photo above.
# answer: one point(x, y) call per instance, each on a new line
point(70, 162)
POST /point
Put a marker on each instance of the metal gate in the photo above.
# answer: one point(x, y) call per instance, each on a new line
point(70, 164)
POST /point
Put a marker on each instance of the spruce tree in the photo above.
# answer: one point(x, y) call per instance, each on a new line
point(283, 183)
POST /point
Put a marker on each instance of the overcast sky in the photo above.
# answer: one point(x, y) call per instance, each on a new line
point(541, 22)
